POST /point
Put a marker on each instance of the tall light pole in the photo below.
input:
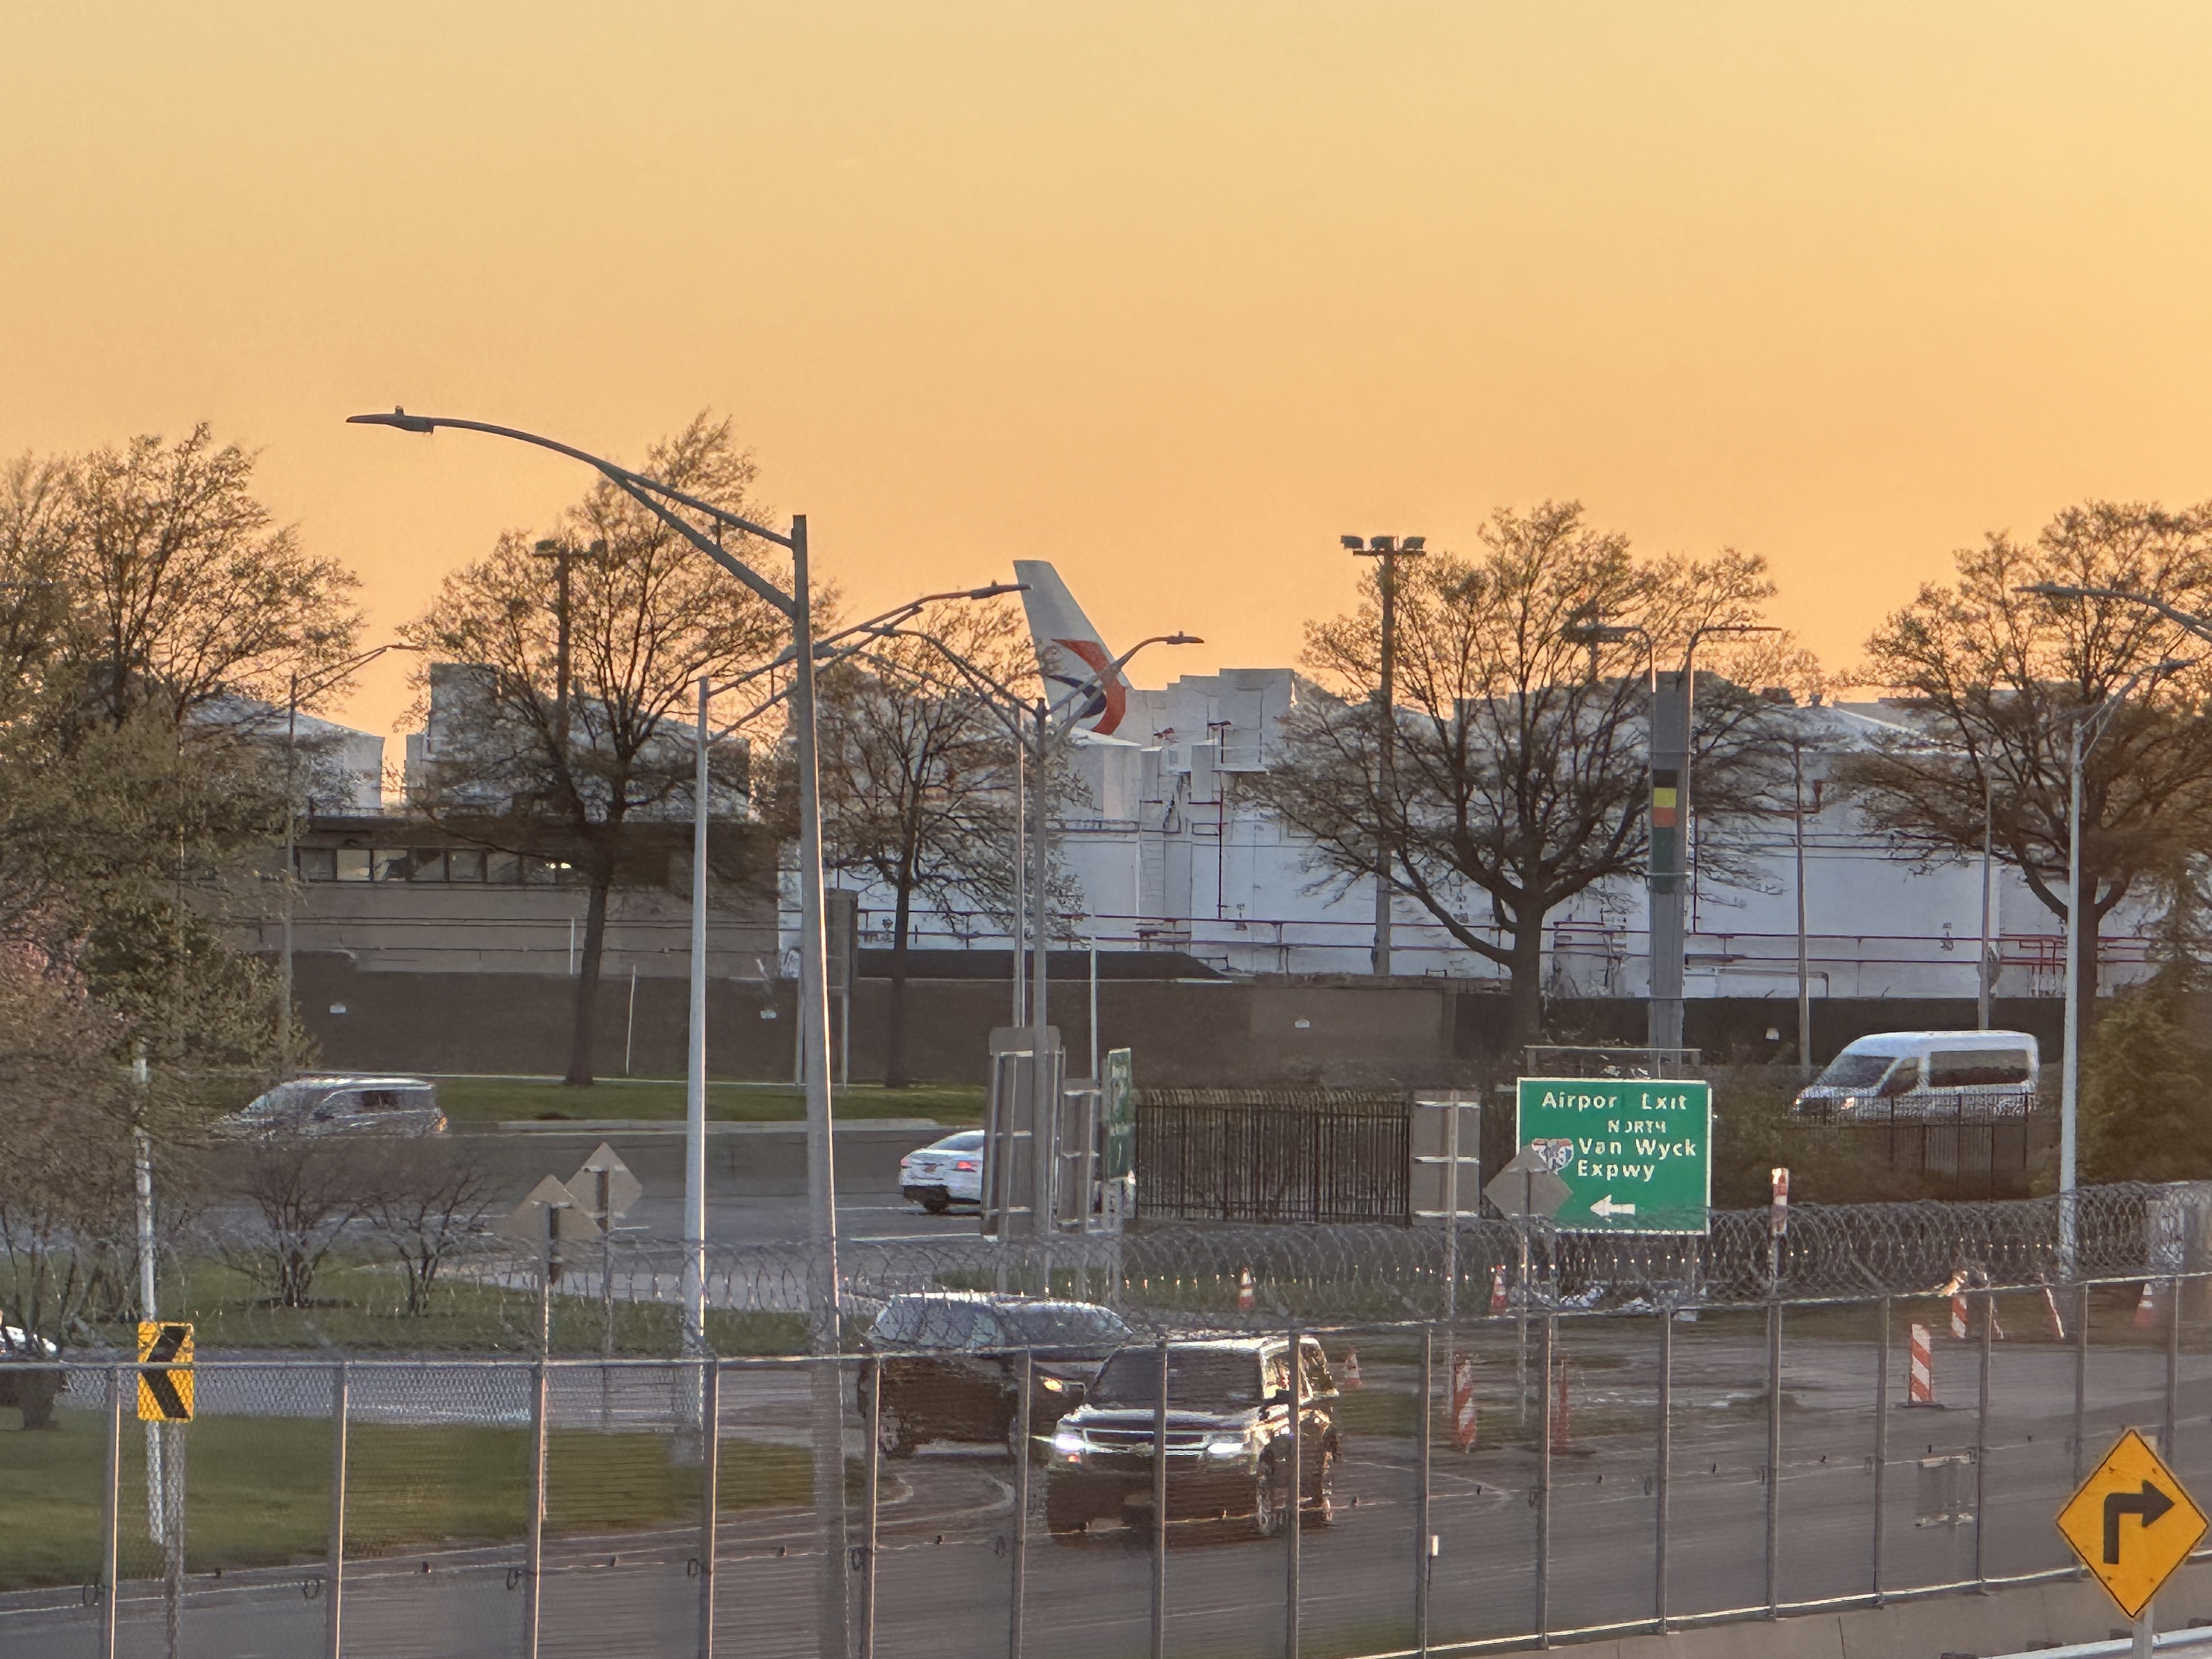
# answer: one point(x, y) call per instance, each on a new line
point(1390, 549)
point(1037, 727)
point(661, 499)
point(2094, 720)
point(694, 1077)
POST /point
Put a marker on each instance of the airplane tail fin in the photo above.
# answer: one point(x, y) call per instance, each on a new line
point(1069, 654)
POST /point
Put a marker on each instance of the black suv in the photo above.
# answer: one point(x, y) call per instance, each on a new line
point(951, 1364)
point(1228, 1438)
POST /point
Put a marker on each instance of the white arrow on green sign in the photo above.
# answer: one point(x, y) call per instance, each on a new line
point(1635, 1153)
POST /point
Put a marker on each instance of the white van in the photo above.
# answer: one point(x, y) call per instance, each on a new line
point(1921, 1074)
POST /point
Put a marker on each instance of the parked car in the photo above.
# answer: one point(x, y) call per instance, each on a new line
point(948, 1172)
point(342, 1106)
point(950, 1363)
point(1228, 1432)
point(1920, 1074)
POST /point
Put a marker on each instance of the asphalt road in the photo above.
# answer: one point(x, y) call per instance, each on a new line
point(945, 1567)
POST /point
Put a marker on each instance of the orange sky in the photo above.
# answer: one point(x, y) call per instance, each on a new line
point(1171, 294)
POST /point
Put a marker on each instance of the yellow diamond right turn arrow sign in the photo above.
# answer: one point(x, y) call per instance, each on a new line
point(2132, 1523)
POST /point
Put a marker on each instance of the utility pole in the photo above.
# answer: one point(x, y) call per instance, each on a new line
point(1804, 964)
point(1670, 821)
point(1390, 549)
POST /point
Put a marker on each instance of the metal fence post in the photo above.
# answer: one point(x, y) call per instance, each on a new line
point(2081, 1377)
point(1294, 1516)
point(1665, 1459)
point(1160, 1511)
point(1550, 1339)
point(1880, 1438)
point(534, 1568)
point(710, 1495)
point(1773, 1459)
point(1019, 1552)
point(111, 1591)
point(2166, 1448)
point(873, 1497)
point(1982, 1434)
point(1423, 1431)
point(334, 1584)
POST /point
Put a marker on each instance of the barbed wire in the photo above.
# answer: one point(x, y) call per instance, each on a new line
point(629, 1297)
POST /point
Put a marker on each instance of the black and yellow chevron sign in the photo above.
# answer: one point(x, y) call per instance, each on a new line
point(165, 1387)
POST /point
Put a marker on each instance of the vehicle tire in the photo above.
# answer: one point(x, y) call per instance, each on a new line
point(1267, 1502)
point(894, 1435)
point(1320, 1503)
point(936, 1203)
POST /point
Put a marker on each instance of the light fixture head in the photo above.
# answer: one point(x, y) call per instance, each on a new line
point(1381, 543)
point(1182, 639)
point(398, 418)
point(1354, 542)
point(1414, 544)
point(2052, 590)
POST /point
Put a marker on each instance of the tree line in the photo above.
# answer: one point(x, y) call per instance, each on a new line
point(155, 621)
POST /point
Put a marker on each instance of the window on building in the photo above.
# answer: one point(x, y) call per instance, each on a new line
point(464, 864)
point(504, 868)
point(318, 864)
point(351, 863)
point(391, 864)
point(426, 863)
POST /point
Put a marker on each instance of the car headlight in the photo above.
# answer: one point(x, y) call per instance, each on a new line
point(1067, 1443)
point(1223, 1448)
point(1051, 1384)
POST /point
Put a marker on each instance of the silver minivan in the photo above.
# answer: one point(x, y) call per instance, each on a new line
point(1922, 1074)
point(342, 1106)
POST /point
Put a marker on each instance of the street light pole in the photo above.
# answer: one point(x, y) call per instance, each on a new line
point(1390, 549)
point(660, 500)
point(1034, 744)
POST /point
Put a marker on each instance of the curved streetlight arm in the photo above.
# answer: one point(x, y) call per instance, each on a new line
point(643, 490)
point(2174, 614)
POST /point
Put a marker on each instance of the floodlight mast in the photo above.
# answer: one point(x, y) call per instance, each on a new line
point(1390, 549)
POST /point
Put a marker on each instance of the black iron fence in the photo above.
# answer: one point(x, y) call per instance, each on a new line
point(1321, 1155)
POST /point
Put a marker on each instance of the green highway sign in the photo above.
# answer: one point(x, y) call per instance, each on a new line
point(1636, 1153)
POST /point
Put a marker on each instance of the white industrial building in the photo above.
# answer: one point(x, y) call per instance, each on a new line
point(1182, 854)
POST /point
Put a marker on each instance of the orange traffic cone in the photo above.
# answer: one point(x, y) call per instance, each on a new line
point(1497, 1291)
point(2146, 1308)
point(1352, 1368)
point(1244, 1298)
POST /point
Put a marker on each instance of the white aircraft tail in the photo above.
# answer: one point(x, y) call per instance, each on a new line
point(1070, 654)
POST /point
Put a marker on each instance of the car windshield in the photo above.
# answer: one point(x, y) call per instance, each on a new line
point(1063, 1324)
point(1855, 1071)
point(1196, 1377)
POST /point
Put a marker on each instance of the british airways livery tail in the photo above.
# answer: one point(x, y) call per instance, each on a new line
point(1069, 654)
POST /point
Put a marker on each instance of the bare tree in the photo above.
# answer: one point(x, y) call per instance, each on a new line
point(182, 591)
point(917, 778)
point(425, 1199)
point(1993, 682)
point(1520, 772)
point(299, 1193)
point(583, 653)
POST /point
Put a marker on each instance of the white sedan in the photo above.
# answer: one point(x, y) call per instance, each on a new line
point(951, 1172)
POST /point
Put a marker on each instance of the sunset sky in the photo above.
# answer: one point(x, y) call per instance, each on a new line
point(1170, 294)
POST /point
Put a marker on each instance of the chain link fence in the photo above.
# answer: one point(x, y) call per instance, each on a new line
point(1487, 1482)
